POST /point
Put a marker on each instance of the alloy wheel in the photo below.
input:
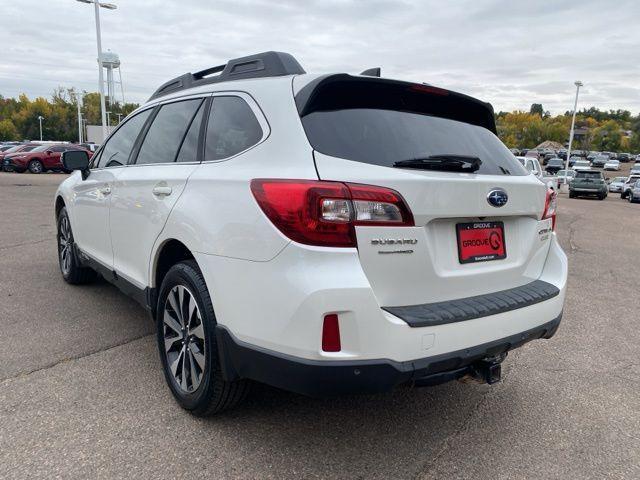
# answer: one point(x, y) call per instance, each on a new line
point(35, 167)
point(64, 245)
point(184, 343)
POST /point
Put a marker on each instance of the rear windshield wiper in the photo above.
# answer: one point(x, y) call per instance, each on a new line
point(449, 163)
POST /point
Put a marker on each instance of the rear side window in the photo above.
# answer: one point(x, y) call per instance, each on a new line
point(118, 148)
point(189, 149)
point(163, 140)
point(384, 122)
point(232, 128)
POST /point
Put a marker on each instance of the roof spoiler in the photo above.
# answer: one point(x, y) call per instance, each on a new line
point(372, 72)
point(261, 65)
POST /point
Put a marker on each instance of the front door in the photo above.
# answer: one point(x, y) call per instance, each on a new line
point(91, 210)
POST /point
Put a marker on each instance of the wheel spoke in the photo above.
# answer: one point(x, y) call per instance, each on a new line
point(191, 311)
point(197, 331)
point(174, 365)
point(170, 322)
point(197, 355)
point(169, 342)
point(174, 305)
point(183, 378)
point(195, 377)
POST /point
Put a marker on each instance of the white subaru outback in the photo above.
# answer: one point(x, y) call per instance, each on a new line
point(324, 234)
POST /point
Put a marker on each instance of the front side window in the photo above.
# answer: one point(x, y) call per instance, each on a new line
point(232, 128)
point(163, 140)
point(118, 148)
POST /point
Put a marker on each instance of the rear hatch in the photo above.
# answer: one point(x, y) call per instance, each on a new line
point(588, 180)
point(361, 127)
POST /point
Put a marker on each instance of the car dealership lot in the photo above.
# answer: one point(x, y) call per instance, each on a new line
point(82, 393)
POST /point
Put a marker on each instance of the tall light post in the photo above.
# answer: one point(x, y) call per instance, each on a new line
point(40, 118)
point(79, 104)
point(103, 108)
point(578, 84)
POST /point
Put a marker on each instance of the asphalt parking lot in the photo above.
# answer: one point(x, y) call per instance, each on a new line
point(82, 394)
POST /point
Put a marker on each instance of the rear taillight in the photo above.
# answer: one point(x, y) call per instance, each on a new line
point(550, 206)
point(326, 213)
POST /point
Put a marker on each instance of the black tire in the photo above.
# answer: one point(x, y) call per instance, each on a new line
point(212, 394)
point(571, 194)
point(623, 195)
point(71, 269)
point(35, 166)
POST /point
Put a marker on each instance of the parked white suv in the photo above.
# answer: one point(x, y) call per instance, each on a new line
point(324, 234)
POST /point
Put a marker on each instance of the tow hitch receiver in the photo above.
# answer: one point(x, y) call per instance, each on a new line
point(488, 370)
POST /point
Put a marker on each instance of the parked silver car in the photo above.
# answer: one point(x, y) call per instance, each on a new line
point(634, 193)
point(617, 184)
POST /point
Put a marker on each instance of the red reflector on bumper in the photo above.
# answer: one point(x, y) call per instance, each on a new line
point(331, 333)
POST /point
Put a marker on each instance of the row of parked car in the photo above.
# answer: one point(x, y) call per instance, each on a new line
point(582, 179)
point(545, 154)
point(592, 183)
point(37, 157)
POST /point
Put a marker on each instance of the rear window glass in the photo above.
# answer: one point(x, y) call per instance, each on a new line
point(383, 137)
point(588, 175)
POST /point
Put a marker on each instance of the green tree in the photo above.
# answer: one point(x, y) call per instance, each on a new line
point(608, 137)
point(8, 130)
point(536, 109)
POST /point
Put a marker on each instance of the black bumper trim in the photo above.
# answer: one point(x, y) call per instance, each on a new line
point(440, 313)
point(322, 378)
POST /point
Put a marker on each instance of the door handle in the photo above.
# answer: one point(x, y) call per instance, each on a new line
point(162, 190)
point(105, 190)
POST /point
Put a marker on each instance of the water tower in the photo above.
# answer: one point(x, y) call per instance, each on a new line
point(111, 62)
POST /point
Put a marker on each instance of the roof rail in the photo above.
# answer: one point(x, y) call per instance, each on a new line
point(261, 65)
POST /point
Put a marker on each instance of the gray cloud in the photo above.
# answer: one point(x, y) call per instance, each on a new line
point(509, 53)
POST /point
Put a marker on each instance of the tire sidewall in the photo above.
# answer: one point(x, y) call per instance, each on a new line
point(63, 214)
point(185, 274)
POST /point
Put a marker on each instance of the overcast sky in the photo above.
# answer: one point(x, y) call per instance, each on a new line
point(511, 53)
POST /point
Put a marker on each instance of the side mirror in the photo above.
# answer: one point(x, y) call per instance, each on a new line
point(49, 152)
point(76, 160)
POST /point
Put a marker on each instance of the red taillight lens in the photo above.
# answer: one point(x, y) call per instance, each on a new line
point(550, 207)
point(331, 333)
point(325, 213)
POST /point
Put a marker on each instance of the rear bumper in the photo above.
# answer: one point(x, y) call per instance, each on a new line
point(320, 378)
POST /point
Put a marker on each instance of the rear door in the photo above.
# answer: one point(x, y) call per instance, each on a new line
point(362, 130)
point(146, 190)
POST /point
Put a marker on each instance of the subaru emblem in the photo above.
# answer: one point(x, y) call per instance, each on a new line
point(497, 198)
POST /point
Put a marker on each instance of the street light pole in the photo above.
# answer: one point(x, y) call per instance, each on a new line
point(103, 108)
point(40, 118)
point(578, 84)
point(78, 100)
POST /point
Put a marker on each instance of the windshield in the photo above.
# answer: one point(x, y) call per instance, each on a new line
point(555, 163)
point(12, 149)
point(42, 148)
